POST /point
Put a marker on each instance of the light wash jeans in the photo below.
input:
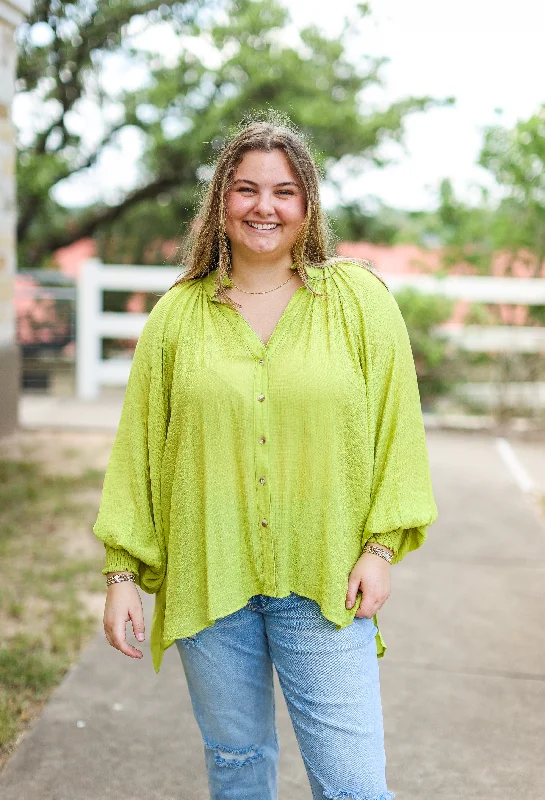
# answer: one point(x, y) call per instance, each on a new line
point(330, 681)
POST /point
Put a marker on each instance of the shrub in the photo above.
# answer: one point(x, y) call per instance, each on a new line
point(433, 355)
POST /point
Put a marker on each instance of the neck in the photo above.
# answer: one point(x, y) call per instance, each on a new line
point(254, 273)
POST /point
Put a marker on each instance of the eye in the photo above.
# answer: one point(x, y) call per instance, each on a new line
point(288, 192)
point(245, 189)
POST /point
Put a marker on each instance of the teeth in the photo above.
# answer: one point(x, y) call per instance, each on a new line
point(262, 227)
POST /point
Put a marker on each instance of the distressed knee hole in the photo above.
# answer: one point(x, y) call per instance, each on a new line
point(234, 757)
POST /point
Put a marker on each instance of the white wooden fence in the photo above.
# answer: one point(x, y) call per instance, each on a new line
point(94, 324)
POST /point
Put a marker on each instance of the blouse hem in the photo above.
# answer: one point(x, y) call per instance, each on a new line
point(167, 642)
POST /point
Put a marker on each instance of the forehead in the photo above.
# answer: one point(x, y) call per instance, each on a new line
point(267, 166)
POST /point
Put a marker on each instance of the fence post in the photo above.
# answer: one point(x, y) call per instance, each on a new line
point(88, 343)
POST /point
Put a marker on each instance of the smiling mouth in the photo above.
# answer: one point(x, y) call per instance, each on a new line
point(263, 226)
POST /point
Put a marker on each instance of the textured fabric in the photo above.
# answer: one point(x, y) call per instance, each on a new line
point(330, 681)
point(241, 468)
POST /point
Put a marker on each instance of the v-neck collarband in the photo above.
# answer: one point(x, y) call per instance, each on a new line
point(240, 324)
point(249, 336)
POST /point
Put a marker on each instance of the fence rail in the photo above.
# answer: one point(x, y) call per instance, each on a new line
point(94, 324)
point(476, 288)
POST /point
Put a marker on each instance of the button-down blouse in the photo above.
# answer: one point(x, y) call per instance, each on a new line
point(241, 468)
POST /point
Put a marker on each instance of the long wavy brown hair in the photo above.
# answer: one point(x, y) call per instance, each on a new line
point(207, 245)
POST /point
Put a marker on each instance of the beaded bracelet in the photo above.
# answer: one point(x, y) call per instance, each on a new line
point(378, 551)
point(120, 577)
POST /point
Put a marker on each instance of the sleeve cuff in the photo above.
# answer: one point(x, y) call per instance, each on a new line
point(401, 541)
point(120, 561)
point(392, 539)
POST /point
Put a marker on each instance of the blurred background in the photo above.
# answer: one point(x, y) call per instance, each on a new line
point(428, 123)
point(430, 136)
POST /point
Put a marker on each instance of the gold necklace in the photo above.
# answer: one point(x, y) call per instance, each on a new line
point(266, 291)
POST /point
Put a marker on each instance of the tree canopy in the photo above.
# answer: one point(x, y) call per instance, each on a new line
point(516, 159)
point(217, 63)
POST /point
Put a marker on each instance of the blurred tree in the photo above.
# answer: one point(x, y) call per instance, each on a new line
point(228, 60)
point(516, 158)
point(464, 230)
point(352, 223)
point(461, 230)
point(516, 224)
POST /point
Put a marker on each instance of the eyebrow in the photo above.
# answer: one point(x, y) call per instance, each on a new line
point(253, 183)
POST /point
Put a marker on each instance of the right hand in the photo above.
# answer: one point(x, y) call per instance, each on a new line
point(123, 604)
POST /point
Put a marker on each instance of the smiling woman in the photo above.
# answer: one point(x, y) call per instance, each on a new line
point(264, 212)
point(269, 465)
point(265, 176)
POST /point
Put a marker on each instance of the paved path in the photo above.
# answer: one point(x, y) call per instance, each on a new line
point(37, 410)
point(463, 681)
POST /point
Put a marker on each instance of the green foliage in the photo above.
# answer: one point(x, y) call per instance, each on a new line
point(472, 234)
point(516, 158)
point(184, 106)
point(351, 223)
point(432, 354)
point(460, 230)
point(8, 724)
point(480, 314)
point(537, 315)
point(23, 666)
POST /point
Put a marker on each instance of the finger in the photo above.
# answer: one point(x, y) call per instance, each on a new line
point(107, 633)
point(367, 607)
point(370, 606)
point(119, 642)
point(137, 620)
point(353, 587)
point(127, 649)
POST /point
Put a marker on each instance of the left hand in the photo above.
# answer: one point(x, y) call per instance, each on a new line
point(371, 575)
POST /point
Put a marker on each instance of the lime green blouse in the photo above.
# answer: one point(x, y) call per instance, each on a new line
point(241, 468)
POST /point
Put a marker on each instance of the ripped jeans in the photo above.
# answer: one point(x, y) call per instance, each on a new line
point(330, 681)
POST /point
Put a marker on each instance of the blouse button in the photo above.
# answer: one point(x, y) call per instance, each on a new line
point(262, 440)
point(264, 523)
point(262, 481)
point(261, 361)
point(261, 397)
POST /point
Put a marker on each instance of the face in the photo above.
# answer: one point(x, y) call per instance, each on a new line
point(265, 206)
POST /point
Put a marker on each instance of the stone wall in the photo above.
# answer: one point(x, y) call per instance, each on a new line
point(11, 14)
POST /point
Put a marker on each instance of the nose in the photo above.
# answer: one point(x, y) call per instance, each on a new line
point(264, 204)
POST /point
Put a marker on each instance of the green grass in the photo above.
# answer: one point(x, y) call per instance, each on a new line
point(43, 623)
point(24, 666)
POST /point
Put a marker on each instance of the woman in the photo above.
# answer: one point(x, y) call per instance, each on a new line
point(269, 465)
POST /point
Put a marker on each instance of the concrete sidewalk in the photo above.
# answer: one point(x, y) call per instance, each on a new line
point(463, 681)
point(38, 410)
point(49, 411)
